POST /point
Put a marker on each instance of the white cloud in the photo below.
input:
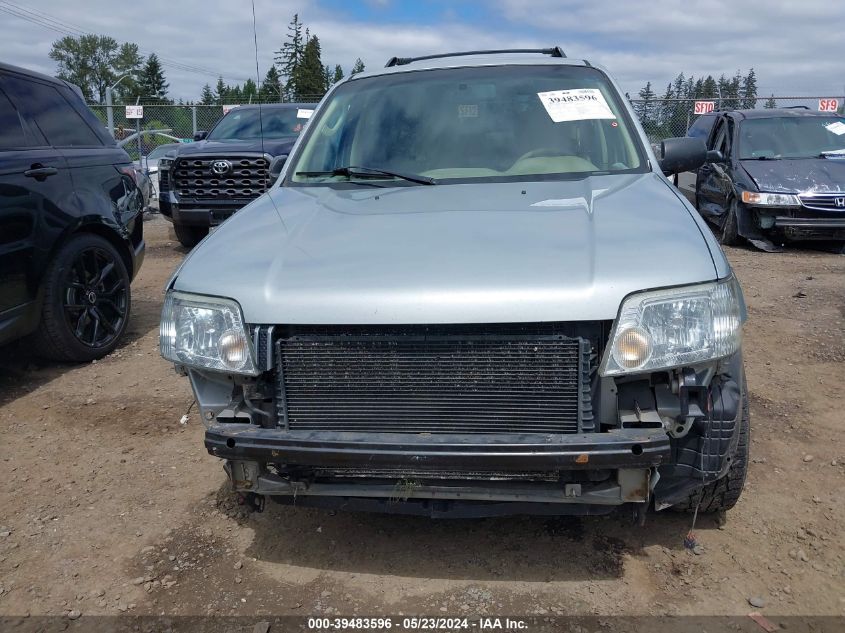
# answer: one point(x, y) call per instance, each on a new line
point(792, 45)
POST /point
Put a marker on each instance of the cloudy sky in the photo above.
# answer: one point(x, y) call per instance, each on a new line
point(794, 46)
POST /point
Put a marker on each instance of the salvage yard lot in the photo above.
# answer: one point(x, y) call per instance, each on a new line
point(110, 505)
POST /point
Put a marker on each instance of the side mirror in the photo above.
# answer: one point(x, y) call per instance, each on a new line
point(200, 135)
point(682, 154)
point(276, 167)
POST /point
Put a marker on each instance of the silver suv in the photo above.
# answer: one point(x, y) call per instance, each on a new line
point(471, 292)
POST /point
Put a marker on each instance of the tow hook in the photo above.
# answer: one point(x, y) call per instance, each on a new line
point(253, 501)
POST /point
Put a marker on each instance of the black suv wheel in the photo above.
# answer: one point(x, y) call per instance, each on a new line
point(86, 301)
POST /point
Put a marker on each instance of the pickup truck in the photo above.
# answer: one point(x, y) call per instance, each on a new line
point(201, 184)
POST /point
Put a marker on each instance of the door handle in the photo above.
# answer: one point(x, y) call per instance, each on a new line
point(40, 172)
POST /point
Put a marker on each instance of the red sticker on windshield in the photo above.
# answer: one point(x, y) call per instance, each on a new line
point(614, 124)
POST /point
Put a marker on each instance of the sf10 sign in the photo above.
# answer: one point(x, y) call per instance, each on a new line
point(134, 112)
point(828, 105)
point(703, 107)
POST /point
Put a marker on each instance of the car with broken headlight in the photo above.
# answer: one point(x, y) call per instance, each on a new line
point(471, 292)
point(779, 176)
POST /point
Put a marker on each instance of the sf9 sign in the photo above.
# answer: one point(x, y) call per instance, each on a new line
point(828, 105)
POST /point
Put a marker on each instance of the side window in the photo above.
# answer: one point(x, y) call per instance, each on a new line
point(718, 140)
point(51, 113)
point(702, 126)
point(11, 127)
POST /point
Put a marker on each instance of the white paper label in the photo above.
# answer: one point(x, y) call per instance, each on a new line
point(134, 112)
point(575, 105)
point(302, 113)
point(837, 128)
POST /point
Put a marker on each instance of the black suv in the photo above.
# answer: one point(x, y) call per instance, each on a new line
point(71, 232)
point(779, 175)
point(201, 184)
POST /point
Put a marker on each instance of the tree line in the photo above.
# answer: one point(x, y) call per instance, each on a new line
point(97, 62)
point(673, 110)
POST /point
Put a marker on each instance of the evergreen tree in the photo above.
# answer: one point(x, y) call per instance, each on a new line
point(220, 92)
point(645, 109)
point(749, 90)
point(338, 74)
point(152, 87)
point(771, 104)
point(709, 89)
point(249, 93)
point(664, 112)
point(207, 97)
point(309, 81)
point(271, 87)
point(357, 68)
point(289, 57)
point(327, 77)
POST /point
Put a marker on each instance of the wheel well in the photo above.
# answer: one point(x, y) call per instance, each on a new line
point(110, 236)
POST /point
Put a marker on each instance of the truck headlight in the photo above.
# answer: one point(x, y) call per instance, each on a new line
point(206, 332)
point(770, 199)
point(661, 329)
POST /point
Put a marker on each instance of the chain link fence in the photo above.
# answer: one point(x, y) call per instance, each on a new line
point(661, 118)
point(666, 118)
point(174, 123)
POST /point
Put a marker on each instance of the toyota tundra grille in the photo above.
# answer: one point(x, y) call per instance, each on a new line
point(416, 381)
point(229, 178)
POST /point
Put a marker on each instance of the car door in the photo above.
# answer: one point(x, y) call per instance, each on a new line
point(687, 181)
point(713, 184)
point(34, 184)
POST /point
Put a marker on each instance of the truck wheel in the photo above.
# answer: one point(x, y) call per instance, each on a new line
point(723, 493)
point(189, 236)
point(728, 232)
point(86, 301)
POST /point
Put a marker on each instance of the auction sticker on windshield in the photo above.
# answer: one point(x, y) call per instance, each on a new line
point(837, 128)
point(575, 105)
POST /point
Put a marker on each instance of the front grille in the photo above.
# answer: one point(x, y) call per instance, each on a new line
point(246, 179)
point(824, 201)
point(414, 380)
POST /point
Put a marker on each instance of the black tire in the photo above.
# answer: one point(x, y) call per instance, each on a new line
point(723, 493)
point(189, 236)
point(87, 301)
point(729, 232)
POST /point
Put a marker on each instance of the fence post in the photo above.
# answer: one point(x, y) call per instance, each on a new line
point(109, 113)
point(194, 119)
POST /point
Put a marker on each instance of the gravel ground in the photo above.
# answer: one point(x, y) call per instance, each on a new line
point(111, 506)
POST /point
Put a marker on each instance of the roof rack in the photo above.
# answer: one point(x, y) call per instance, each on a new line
point(554, 51)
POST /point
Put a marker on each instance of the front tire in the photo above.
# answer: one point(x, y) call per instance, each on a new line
point(87, 300)
point(724, 493)
point(189, 236)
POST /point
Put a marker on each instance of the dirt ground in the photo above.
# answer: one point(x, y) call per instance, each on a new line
point(109, 505)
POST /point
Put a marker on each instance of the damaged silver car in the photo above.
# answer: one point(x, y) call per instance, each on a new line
point(472, 292)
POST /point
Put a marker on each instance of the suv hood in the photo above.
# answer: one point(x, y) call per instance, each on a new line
point(506, 252)
point(797, 175)
point(274, 147)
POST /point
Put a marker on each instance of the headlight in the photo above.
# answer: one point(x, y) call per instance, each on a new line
point(770, 199)
point(205, 332)
point(661, 329)
point(165, 163)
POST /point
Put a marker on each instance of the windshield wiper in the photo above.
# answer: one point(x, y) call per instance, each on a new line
point(761, 158)
point(833, 152)
point(356, 171)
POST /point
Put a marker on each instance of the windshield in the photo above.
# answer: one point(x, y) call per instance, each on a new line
point(791, 137)
point(495, 123)
point(244, 124)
